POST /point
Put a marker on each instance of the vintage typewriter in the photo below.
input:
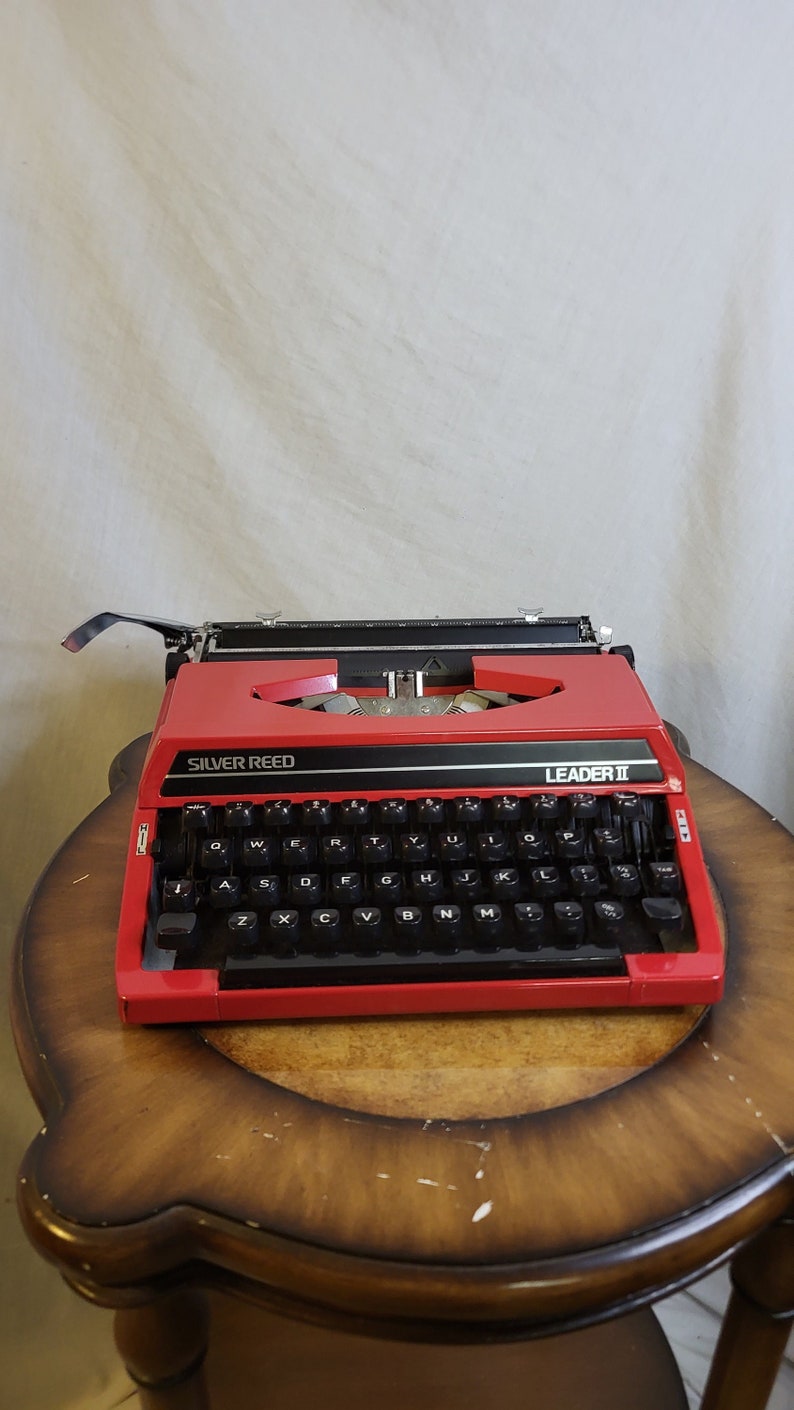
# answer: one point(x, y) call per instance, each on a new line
point(349, 818)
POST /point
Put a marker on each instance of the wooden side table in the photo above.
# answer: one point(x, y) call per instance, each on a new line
point(466, 1185)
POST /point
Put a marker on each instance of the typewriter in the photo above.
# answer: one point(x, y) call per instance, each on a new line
point(393, 817)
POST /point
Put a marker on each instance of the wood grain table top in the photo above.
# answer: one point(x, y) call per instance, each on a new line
point(432, 1176)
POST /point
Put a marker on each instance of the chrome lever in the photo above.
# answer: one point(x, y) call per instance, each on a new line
point(173, 633)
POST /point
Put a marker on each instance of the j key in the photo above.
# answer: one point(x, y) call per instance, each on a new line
point(305, 889)
point(196, 816)
point(414, 846)
point(624, 879)
point(278, 812)
point(531, 846)
point(326, 928)
point(545, 806)
point(375, 848)
point(354, 812)
point(264, 890)
point(608, 841)
point(663, 913)
point(178, 932)
point(610, 917)
point(468, 809)
point(546, 881)
point(346, 888)
point(530, 917)
point(243, 927)
point(505, 884)
point(393, 810)
point(628, 806)
point(492, 846)
point(337, 851)
point(297, 851)
point(179, 895)
point(316, 812)
point(488, 922)
point(453, 846)
point(585, 881)
point(367, 927)
point(216, 853)
point(387, 887)
point(569, 920)
point(505, 807)
point(430, 810)
point(238, 814)
point(284, 930)
point(427, 885)
point(258, 851)
point(582, 805)
point(665, 878)
point(224, 891)
point(447, 924)
point(570, 845)
point(466, 885)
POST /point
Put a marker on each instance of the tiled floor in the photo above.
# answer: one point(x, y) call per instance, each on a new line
point(691, 1321)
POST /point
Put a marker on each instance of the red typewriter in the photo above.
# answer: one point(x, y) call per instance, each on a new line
point(350, 818)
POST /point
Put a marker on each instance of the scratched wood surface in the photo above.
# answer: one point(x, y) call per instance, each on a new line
point(425, 1176)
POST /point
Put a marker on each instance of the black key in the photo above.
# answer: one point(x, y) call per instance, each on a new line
point(427, 885)
point(530, 917)
point(624, 879)
point(430, 811)
point(284, 929)
point(505, 807)
point(297, 851)
point(488, 922)
point(238, 814)
point(505, 884)
point(546, 881)
point(583, 805)
point(531, 846)
point(414, 846)
point(453, 846)
point(628, 806)
point(608, 841)
point(466, 885)
point(258, 852)
point(375, 849)
point(170, 854)
point(305, 889)
point(545, 806)
point(316, 812)
point(277, 811)
point(665, 878)
point(468, 809)
point(387, 887)
point(569, 920)
point(325, 927)
point(346, 888)
point(243, 927)
point(367, 927)
point(196, 816)
point(337, 851)
point(492, 846)
point(224, 891)
point(663, 913)
point(216, 853)
point(447, 923)
point(264, 890)
point(178, 932)
point(585, 881)
point(179, 895)
point(569, 845)
point(409, 925)
point(393, 810)
point(610, 917)
point(354, 812)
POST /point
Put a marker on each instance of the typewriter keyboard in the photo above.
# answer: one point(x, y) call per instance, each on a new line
point(279, 893)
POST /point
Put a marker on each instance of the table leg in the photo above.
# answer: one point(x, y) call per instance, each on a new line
point(163, 1345)
point(757, 1323)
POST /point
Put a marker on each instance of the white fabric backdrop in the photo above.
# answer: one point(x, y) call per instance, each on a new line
point(371, 308)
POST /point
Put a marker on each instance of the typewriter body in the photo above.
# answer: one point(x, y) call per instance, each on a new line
point(355, 818)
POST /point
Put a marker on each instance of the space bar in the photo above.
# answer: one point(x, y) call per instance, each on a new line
point(314, 971)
